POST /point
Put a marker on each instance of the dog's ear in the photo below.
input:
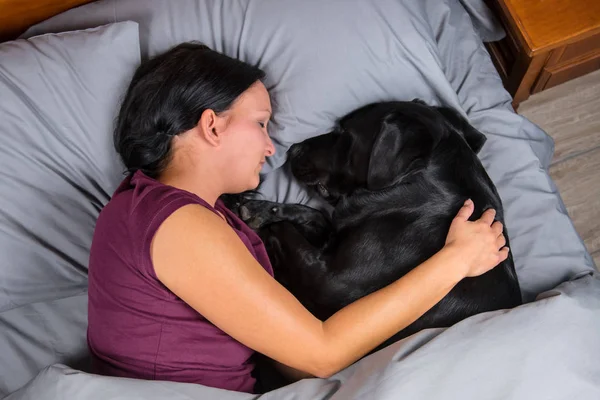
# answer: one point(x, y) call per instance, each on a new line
point(399, 149)
point(472, 136)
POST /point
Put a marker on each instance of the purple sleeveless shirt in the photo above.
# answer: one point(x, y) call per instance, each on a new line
point(137, 328)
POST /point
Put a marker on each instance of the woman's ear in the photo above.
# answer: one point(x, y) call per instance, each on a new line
point(209, 127)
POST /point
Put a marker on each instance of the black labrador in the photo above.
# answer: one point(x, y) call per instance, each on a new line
point(397, 174)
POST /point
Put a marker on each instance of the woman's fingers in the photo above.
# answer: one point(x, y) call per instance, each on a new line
point(497, 228)
point(500, 241)
point(503, 254)
point(466, 210)
point(488, 216)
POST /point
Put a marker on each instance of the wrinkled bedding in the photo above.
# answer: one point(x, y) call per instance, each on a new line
point(534, 351)
point(430, 49)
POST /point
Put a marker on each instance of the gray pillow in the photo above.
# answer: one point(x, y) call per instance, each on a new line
point(322, 58)
point(58, 97)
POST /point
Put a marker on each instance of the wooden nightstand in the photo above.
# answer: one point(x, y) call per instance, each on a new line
point(547, 43)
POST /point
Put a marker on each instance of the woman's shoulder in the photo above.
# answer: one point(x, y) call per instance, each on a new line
point(191, 234)
point(140, 200)
point(139, 207)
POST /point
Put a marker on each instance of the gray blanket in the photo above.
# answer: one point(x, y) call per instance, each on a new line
point(547, 349)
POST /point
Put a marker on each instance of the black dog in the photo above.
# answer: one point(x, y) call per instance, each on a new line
point(397, 174)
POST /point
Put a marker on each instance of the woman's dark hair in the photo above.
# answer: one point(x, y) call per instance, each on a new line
point(166, 97)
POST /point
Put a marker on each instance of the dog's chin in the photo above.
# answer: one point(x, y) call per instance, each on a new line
point(325, 193)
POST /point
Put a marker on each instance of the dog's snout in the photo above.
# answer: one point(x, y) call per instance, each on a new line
point(245, 214)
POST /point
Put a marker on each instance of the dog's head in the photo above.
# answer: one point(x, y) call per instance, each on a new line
point(376, 146)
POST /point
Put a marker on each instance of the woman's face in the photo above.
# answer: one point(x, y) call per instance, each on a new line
point(245, 139)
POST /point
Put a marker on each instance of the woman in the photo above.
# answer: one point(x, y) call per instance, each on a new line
point(180, 289)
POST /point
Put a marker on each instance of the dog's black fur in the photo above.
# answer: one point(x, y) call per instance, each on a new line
point(397, 174)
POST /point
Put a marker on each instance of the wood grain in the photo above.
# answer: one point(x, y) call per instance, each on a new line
point(570, 114)
point(18, 15)
point(563, 73)
point(547, 24)
point(524, 74)
point(548, 42)
point(582, 47)
point(579, 183)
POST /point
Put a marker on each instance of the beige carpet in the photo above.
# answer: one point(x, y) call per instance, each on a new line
point(570, 113)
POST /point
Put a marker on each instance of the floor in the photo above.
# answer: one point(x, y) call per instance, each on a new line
point(570, 113)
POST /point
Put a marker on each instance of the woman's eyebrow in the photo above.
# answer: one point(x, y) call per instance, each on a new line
point(266, 111)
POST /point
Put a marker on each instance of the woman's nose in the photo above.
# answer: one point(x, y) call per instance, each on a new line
point(270, 149)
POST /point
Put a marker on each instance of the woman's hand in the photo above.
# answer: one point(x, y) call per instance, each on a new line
point(480, 243)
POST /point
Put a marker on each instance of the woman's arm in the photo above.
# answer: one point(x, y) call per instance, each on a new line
point(289, 373)
point(201, 259)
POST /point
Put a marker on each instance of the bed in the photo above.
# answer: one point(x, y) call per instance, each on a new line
point(60, 85)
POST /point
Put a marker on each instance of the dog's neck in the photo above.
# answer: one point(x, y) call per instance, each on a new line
point(434, 183)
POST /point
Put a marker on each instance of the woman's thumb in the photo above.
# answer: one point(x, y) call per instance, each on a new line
point(466, 210)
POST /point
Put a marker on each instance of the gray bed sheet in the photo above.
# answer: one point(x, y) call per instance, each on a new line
point(547, 350)
point(539, 350)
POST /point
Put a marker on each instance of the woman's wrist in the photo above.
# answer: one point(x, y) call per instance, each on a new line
point(455, 262)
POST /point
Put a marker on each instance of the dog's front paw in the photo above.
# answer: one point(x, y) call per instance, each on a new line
point(258, 213)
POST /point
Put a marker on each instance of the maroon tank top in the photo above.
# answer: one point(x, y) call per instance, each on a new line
point(138, 328)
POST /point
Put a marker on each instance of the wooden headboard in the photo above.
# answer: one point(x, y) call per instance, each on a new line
point(18, 15)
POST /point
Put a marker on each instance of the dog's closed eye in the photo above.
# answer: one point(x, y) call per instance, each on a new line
point(322, 190)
